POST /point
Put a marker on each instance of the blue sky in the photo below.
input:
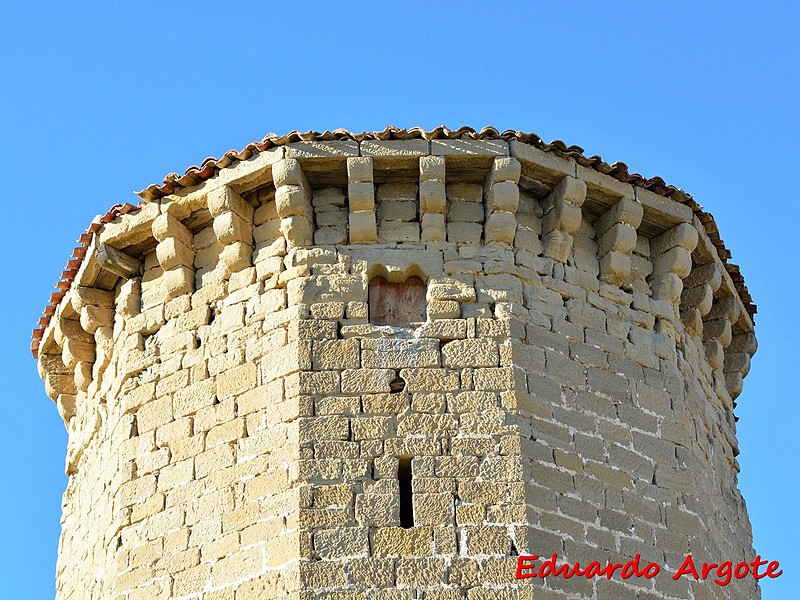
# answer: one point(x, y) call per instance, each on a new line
point(98, 99)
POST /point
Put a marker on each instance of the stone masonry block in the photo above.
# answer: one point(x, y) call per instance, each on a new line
point(224, 199)
point(470, 353)
point(626, 211)
point(433, 228)
point(292, 200)
point(430, 380)
point(173, 253)
point(336, 354)
point(432, 197)
point(342, 542)
point(443, 309)
point(166, 226)
point(504, 196)
point(328, 197)
point(619, 237)
point(506, 168)
point(683, 236)
point(450, 288)
point(397, 542)
point(678, 260)
point(363, 226)
point(569, 189)
point(230, 227)
point(297, 230)
point(615, 268)
point(361, 196)
point(397, 210)
point(400, 354)
point(432, 167)
point(498, 288)
point(287, 172)
point(564, 217)
point(709, 274)
point(397, 231)
point(557, 245)
point(700, 298)
point(366, 381)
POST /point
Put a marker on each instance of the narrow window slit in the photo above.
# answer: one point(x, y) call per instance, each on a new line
point(406, 499)
point(397, 385)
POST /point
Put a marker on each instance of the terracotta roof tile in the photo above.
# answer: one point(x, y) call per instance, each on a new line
point(211, 166)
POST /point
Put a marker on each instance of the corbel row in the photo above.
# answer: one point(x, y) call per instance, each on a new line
point(711, 314)
point(81, 345)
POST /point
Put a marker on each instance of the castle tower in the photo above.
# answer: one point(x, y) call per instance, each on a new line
point(381, 366)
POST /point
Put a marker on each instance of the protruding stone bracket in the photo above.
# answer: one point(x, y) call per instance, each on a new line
point(175, 255)
point(117, 262)
point(233, 226)
point(616, 235)
point(698, 296)
point(671, 254)
point(432, 198)
point(77, 350)
point(562, 217)
point(502, 200)
point(59, 380)
point(96, 309)
point(361, 200)
point(737, 362)
point(717, 336)
point(293, 202)
point(706, 247)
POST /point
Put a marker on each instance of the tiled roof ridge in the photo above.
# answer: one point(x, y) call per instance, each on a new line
point(210, 166)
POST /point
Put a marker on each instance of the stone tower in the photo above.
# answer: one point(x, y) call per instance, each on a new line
point(381, 366)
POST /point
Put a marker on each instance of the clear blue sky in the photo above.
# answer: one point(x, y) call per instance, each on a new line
point(96, 101)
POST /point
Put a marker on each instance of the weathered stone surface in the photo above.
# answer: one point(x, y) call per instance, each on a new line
point(238, 428)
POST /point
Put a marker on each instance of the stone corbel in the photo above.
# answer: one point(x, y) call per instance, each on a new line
point(616, 234)
point(233, 226)
point(432, 198)
point(737, 362)
point(697, 296)
point(96, 310)
point(293, 202)
point(175, 255)
point(562, 217)
point(671, 254)
point(361, 200)
point(502, 200)
point(718, 335)
point(59, 384)
point(77, 350)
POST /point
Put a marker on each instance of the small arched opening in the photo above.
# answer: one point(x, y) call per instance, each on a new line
point(398, 304)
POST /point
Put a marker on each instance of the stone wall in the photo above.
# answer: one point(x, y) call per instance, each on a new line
point(237, 425)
